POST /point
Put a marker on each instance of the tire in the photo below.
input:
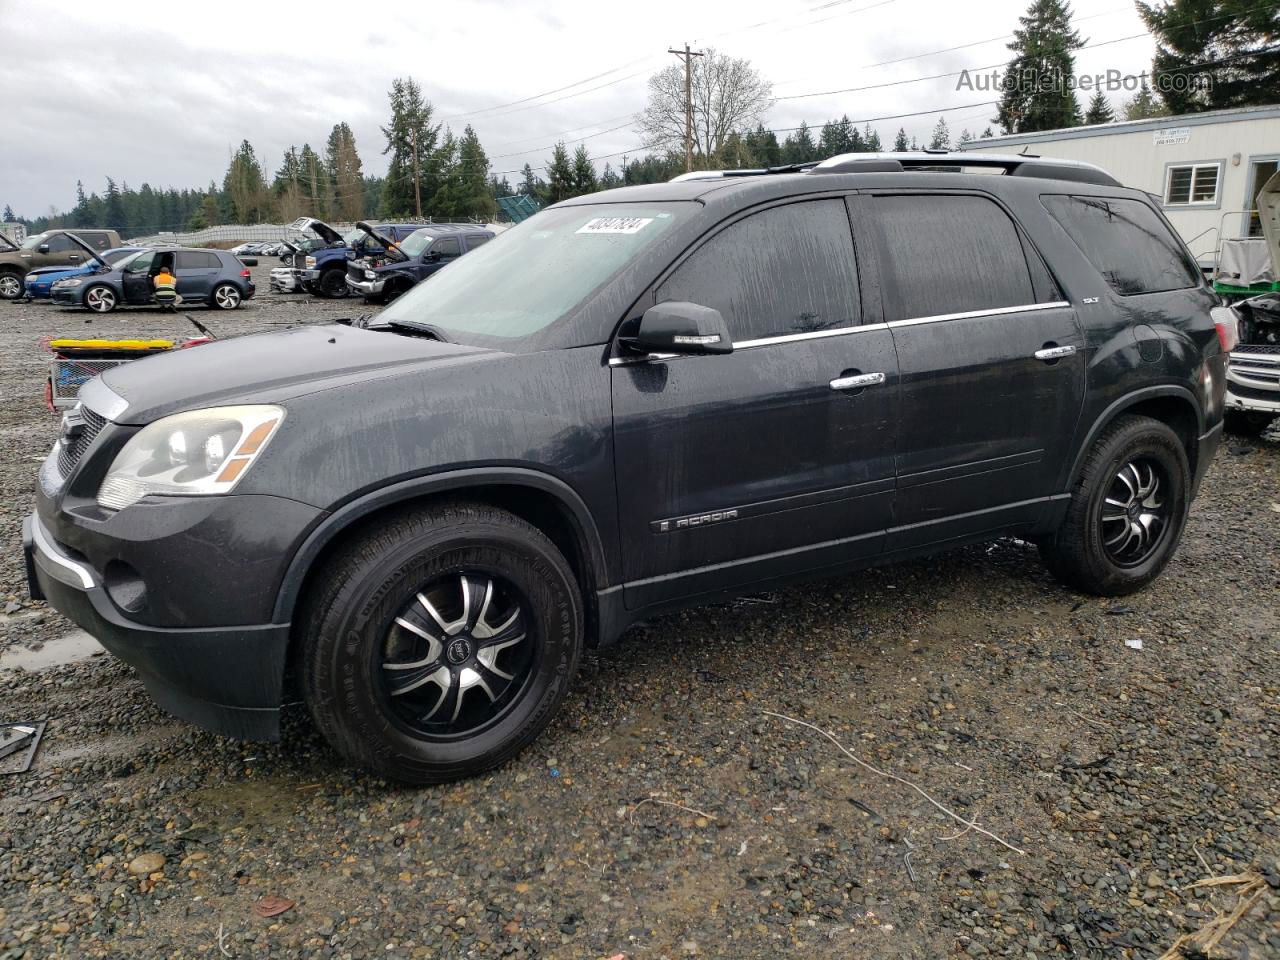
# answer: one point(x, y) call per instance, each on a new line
point(11, 285)
point(100, 298)
point(332, 284)
point(1247, 423)
point(376, 603)
point(226, 296)
point(1101, 547)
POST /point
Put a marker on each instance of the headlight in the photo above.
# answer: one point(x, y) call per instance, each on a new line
point(198, 453)
point(311, 262)
point(370, 275)
point(69, 282)
point(31, 277)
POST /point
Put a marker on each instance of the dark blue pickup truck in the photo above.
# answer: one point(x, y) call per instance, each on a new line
point(380, 278)
point(325, 270)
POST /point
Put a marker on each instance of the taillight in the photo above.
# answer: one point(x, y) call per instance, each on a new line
point(1228, 327)
point(245, 274)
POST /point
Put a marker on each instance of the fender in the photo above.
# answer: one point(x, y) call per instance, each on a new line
point(352, 511)
point(1118, 407)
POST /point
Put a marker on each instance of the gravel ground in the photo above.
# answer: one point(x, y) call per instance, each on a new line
point(666, 813)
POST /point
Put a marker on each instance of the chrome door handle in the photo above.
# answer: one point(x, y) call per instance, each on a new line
point(857, 382)
point(1055, 353)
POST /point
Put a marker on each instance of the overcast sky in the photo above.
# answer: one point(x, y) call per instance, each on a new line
point(160, 93)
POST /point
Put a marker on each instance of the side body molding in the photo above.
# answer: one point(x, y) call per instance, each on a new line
point(351, 512)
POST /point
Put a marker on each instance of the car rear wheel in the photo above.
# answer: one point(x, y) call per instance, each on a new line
point(10, 285)
point(333, 284)
point(226, 296)
point(440, 642)
point(100, 299)
point(1247, 423)
point(1127, 510)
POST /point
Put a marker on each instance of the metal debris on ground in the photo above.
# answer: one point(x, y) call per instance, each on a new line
point(21, 736)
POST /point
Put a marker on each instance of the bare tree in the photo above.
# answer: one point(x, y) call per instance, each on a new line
point(729, 96)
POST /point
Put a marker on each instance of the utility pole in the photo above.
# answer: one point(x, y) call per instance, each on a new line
point(417, 186)
point(687, 56)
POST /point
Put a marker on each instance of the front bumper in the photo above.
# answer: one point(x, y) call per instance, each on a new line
point(37, 291)
point(367, 288)
point(309, 276)
point(225, 679)
point(285, 280)
point(69, 296)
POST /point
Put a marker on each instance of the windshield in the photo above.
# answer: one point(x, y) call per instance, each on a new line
point(34, 241)
point(530, 276)
point(415, 243)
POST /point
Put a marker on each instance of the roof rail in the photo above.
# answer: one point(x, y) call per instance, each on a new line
point(1014, 165)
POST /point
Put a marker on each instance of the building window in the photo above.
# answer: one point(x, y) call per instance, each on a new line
point(1192, 184)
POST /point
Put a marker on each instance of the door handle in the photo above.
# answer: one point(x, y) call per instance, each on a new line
point(857, 382)
point(1054, 353)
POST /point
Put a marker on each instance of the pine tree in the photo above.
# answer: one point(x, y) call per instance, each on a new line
point(82, 215)
point(610, 179)
point(475, 198)
point(941, 138)
point(871, 140)
point(1099, 109)
point(986, 134)
point(1192, 33)
point(799, 146)
point(116, 218)
point(584, 172)
point(316, 186)
point(342, 161)
point(762, 147)
point(559, 175)
point(291, 197)
point(411, 140)
point(244, 185)
point(530, 184)
point(1039, 94)
point(900, 144)
point(8, 213)
point(1144, 105)
point(965, 137)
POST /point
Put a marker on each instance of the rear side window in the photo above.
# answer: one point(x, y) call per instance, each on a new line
point(950, 254)
point(1126, 242)
point(195, 260)
point(476, 241)
point(448, 247)
point(784, 270)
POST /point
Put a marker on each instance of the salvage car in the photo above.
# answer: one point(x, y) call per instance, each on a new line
point(635, 401)
point(325, 270)
point(213, 277)
point(1253, 378)
point(53, 248)
point(382, 278)
point(38, 284)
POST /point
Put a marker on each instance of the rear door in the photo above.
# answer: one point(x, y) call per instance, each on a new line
point(991, 360)
point(769, 460)
point(196, 272)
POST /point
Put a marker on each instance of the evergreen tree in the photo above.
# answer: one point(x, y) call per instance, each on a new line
point(82, 215)
point(1144, 105)
point(115, 217)
point(871, 140)
point(342, 161)
point(530, 184)
point(986, 134)
point(762, 147)
point(799, 146)
point(1099, 109)
point(464, 189)
point(209, 209)
point(900, 144)
point(941, 138)
point(244, 185)
point(291, 197)
point(1192, 33)
point(1038, 95)
point(317, 189)
point(8, 213)
point(559, 175)
point(411, 180)
point(584, 172)
point(965, 137)
point(834, 138)
point(609, 179)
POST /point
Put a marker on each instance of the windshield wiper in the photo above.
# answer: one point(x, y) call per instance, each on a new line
point(430, 329)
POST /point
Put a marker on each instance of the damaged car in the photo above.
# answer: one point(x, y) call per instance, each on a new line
point(380, 278)
point(324, 271)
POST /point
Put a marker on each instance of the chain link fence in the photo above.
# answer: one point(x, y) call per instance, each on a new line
point(230, 234)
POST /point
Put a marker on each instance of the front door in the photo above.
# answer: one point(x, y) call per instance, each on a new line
point(772, 459)
point(443, 251)
point(991, 360)
point(136, 279)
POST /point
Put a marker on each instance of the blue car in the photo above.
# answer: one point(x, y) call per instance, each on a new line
point(39, 282)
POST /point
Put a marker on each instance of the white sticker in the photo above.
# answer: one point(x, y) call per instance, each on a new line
point(615, 225)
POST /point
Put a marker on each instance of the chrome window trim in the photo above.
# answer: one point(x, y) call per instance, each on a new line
point(843, 331)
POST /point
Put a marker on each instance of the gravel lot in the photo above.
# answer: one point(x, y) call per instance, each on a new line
point(666, 813)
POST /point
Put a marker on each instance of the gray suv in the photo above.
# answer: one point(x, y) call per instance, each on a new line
point(53, 248)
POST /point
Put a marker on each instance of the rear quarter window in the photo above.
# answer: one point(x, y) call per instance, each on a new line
point(1126, 242)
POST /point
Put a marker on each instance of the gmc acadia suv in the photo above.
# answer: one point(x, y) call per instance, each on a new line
point(635, 400)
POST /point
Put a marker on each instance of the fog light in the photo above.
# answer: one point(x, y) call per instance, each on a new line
point(125, 586)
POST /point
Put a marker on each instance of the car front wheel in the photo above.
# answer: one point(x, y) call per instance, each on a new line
point(440, 642)
point(225, 297)
point(10, 285)
point(100, 299)
point(333, 284)
point(1127, 510)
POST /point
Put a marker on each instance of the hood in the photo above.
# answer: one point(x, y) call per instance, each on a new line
point(270, 368)
point(318, 227)
point(1269, 214)
point(66, 271)
point(387, 243)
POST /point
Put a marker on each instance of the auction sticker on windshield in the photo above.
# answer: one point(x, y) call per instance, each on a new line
point(615, 225)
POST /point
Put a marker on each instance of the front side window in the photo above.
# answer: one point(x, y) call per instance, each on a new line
point(61, 243)
point(1192, 184)
point(34, 241)
point(1126, 242)
point(781, 271)
point(138, 263)
point(536, 272)
point(948, 254)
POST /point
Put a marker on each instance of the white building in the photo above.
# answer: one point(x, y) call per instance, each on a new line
point(1206, 167)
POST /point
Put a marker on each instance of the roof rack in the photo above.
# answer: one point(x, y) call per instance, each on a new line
point(1013, 165)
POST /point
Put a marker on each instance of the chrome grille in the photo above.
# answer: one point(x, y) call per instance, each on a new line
point(1257, 348)
point(71, 451)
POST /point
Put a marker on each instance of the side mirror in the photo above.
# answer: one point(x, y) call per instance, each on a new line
point(43, 248)
point(681, 327)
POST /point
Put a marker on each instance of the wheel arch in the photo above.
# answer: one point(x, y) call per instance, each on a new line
point(1171, 404)
point(548, 503)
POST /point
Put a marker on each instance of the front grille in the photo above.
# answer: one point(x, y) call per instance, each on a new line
point(70, 452)
point(355, 272)
point(1257, 348)
point(69, 375)
point(299, 261)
